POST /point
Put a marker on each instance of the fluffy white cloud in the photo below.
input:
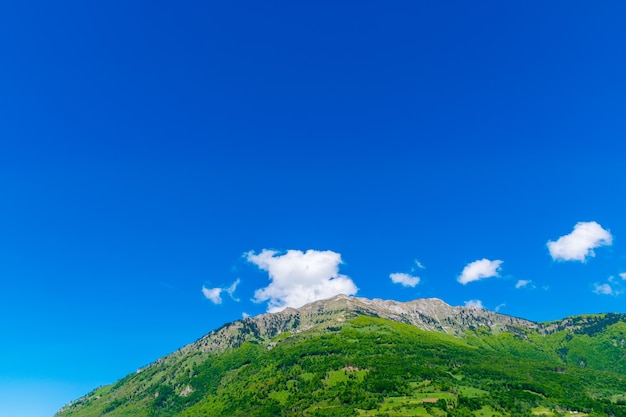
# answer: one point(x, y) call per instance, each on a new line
point(522, 283)
point(475, 304)
point(480, 269)
point(579, 244)
point(405, 279)
point(215, 294)
point(298, 278)
point(604, 289)
point(623, 275)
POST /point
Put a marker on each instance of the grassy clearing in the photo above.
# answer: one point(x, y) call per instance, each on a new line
point(397, 408)
point(336, 377)
point(487, 411)
point(449, 397)
point(421, 384)
point(419, 403)
point(307, 376)
point(471, 392)
point(280, 396)
point(542, 411)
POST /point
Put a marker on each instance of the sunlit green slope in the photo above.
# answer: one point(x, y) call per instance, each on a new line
point(373, 366)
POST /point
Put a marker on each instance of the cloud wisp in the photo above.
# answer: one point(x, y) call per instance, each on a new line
point(298, 278)
point(580, 243)
point(481, 269)
point(419, 265)
point(405, 280)
point(476, 304)
point(215, 294)
point(523, 283)
point(613, 286)
point(604, 289)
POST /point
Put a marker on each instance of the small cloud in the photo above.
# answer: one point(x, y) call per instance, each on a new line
point(579, 244)
point(405, 279)
point(419, 265)
point(230, 290)
point(499, 307)
point(213, 294)
point(522, 283)
point(245, 315)
point(298, 278)
point(480, 269)
point(614, 286)
point(623, 275)
point(604, 289)
point(477, 304)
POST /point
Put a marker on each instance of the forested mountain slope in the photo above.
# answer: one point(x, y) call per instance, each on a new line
point(352, 356)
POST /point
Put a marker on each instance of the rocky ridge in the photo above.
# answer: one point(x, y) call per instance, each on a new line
point(431, 314)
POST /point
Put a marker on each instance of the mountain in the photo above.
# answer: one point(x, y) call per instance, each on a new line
point(354, 356)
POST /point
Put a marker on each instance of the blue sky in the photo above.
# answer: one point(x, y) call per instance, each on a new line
point(155, 154)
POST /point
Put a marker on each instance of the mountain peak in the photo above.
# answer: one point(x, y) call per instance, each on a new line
point(430, 314)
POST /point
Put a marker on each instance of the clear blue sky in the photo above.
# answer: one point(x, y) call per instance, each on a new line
point(146, 148)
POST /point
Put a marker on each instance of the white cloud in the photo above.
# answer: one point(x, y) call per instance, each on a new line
point(614, 286)
point(477, 304)
point(499, 307)
point(480, 269)
point(230, 290)
point(522, 283)
point(405, 279)
point(215, 294)
point(245, 315)
point(604, 289)
point(579, 244)
point(298, 278)
point(419, 264)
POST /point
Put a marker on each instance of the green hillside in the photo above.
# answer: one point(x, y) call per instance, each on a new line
point(372, 366)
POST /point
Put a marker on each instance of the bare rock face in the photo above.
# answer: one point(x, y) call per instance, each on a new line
point(430, 314)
